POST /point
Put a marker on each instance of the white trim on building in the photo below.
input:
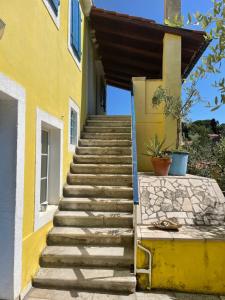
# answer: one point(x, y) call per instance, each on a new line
point(55, 128)
point(55, 18)
point(15, 92)
point(75, 107)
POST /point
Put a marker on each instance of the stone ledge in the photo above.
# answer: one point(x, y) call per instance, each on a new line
point(188, 233)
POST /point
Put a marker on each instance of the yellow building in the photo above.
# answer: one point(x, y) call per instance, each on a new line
point(45, 81)
point(56, 58)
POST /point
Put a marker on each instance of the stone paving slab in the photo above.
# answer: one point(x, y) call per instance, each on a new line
point(45, 294)
point(192, 200)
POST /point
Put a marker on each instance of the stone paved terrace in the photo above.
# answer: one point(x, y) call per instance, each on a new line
point(41, 294)
point(191, 199)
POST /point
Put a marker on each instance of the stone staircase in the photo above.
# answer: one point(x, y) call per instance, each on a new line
point(91, 244)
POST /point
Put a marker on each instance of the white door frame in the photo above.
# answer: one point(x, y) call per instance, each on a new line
point(15, 92)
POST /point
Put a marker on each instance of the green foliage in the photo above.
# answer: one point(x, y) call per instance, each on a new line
point(222, 129)
point(214, 24)
point(156, 148)
point(207, 158)
point(175, 107)
point(177, 22)
point(220, 154)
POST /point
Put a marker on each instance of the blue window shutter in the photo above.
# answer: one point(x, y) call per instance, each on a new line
point(76, 28)
point(55, 5)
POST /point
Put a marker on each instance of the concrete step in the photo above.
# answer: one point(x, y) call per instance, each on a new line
point(86, 256)
point(107, 129)
point(108, 123)
point(97, 204)
point(93, 219)
point(68, 236)
point(105, 136)
point(101, 169)
point(113, 118)
point(104, 143)
point(103, 150)
point(116, 280)
point(99, 179)
point(98, 191)
point(102, 159)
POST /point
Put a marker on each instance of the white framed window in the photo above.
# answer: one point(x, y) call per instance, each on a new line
point(74, 125)
point(44, 169)
point(74, 31)
point(49, 159)
point(53, 7)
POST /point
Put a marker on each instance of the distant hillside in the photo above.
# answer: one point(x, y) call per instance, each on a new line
point(204, 127)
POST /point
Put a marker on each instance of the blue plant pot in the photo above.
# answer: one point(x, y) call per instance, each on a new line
point(179, 164)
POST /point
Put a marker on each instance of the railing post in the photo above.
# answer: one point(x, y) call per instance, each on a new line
point(135, 179)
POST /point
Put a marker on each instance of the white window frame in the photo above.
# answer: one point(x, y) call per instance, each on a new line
point(55, 18)
point(18, 94)
point(74, 106)
point(45, 119)
point(78, 63)
point(47, 175)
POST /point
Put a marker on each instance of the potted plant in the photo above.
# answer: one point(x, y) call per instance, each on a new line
point(178, 110)
point(161, 161)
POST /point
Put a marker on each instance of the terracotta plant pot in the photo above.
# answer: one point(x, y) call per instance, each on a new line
point(161, 165)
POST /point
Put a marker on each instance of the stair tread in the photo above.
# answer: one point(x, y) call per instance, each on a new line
point(104, 147)
point(109, 116)
point(103, 187)
point(87, 251)
point(103, 165)
point(90, 231)
point(103, 121)
point(102, 155)
point(85, 274)
point(100, 175)
point(99, 140)
point(95, 199)
point(108, 133)
point(87, 214)
point(90, 126)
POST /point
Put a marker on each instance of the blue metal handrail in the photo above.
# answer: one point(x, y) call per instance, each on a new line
point(134, 153)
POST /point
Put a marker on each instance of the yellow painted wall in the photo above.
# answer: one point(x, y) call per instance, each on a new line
point(34, 53)
point(151, 121)
point(187, 266)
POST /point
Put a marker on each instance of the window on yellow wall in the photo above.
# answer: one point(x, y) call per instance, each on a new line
point(55, 5)
point(75, 28)
point(74, 125)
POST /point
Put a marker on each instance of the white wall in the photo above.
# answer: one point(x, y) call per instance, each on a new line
point(8, 154)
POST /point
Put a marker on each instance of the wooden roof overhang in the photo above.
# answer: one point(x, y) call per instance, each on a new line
point(133, 47)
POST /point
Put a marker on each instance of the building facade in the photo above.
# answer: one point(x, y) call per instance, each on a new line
point(49, 81)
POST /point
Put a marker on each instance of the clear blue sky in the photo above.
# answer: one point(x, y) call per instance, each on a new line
point(119, 100)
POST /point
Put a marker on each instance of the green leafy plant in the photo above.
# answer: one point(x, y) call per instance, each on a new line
point(156, 148)
point(175, 107)
point(207, 159)
point(213, 23)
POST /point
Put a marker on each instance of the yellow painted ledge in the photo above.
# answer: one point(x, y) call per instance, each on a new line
point(33, 245)
point(187, 266)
